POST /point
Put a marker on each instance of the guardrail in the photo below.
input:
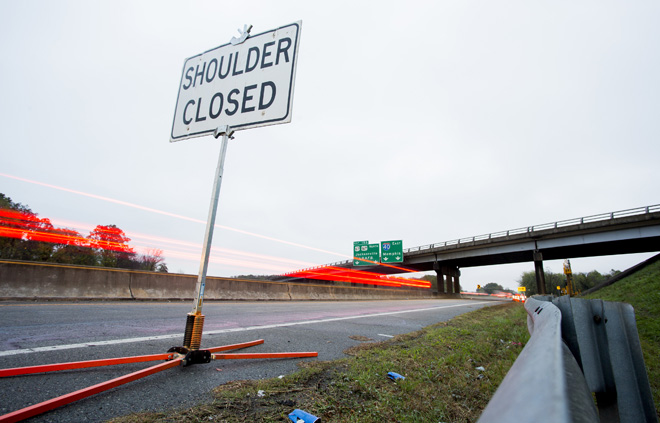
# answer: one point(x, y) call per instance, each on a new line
point(576, 347)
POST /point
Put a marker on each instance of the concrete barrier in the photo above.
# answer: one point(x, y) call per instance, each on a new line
point(20, 280)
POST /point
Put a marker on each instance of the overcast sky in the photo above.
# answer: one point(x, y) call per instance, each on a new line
point(419, 121)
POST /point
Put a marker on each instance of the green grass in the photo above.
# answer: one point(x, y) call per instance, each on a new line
point(439, 362)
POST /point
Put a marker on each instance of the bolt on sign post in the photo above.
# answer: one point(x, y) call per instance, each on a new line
point(391, 251)
point(365, 254)
point(246, 83)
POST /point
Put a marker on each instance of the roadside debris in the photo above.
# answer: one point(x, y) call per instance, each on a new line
point(395, 376)
point(300, 416)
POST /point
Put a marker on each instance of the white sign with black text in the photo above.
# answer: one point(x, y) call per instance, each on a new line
point(244, 85)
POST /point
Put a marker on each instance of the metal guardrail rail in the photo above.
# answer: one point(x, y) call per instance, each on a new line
point(528, 229)
point(576, 347)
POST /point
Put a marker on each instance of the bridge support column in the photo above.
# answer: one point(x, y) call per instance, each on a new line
point(439, 286)
point(447, 279)
point(453, 285)
point(540, 274)
point(457, 284)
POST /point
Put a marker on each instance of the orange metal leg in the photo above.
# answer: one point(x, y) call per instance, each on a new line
point(36, 409)
point(83, 364)
point(263, 355)
point(236, 346)
point(254, 355)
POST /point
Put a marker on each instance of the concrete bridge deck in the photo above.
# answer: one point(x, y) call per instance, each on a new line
point(622, 232)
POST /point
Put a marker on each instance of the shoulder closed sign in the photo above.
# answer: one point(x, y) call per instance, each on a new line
point(244, 86)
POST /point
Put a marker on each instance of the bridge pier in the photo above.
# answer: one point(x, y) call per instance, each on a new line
point(447, 279)
point(540, 274)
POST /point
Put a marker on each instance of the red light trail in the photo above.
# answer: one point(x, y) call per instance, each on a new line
point(357, 276)
point(36, 229)
point(29, 227)
point(165, 213)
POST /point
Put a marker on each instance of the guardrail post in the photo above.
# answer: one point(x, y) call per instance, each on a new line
point(576, 347)
point(603, 337)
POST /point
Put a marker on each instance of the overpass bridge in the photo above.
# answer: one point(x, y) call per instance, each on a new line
point(621, 232)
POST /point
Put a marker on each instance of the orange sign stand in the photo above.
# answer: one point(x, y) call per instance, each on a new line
point(175, 357)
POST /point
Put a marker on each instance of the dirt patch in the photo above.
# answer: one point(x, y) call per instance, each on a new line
point(360, 338)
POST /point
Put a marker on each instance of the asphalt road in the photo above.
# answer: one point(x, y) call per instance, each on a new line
point(44, 333)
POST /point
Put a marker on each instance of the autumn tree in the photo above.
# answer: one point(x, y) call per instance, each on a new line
point(72, 248)
point(25, 236)
point(111, 245)
point(153, 261)
point(491, 288)
point(22, 232)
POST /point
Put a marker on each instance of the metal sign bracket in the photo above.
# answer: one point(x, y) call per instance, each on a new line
point(245, 33)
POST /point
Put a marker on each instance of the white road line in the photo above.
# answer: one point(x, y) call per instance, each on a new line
point(219, 331)
point(386, 336)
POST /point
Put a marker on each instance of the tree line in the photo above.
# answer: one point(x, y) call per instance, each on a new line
point(581, 281)
point(26, 236)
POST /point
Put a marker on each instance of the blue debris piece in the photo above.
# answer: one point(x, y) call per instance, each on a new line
point(395, 376)
point(300, 416)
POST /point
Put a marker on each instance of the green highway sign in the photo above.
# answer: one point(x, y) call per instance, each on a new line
point(368, 252)
point(391, 251)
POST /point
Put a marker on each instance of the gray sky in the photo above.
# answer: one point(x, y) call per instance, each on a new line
point(419, 121)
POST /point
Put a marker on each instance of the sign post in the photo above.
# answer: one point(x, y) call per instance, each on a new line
point(246, 83)
point(195, 321)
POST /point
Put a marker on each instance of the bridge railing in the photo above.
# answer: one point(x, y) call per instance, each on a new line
point(528, 229)
point(542, 227)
